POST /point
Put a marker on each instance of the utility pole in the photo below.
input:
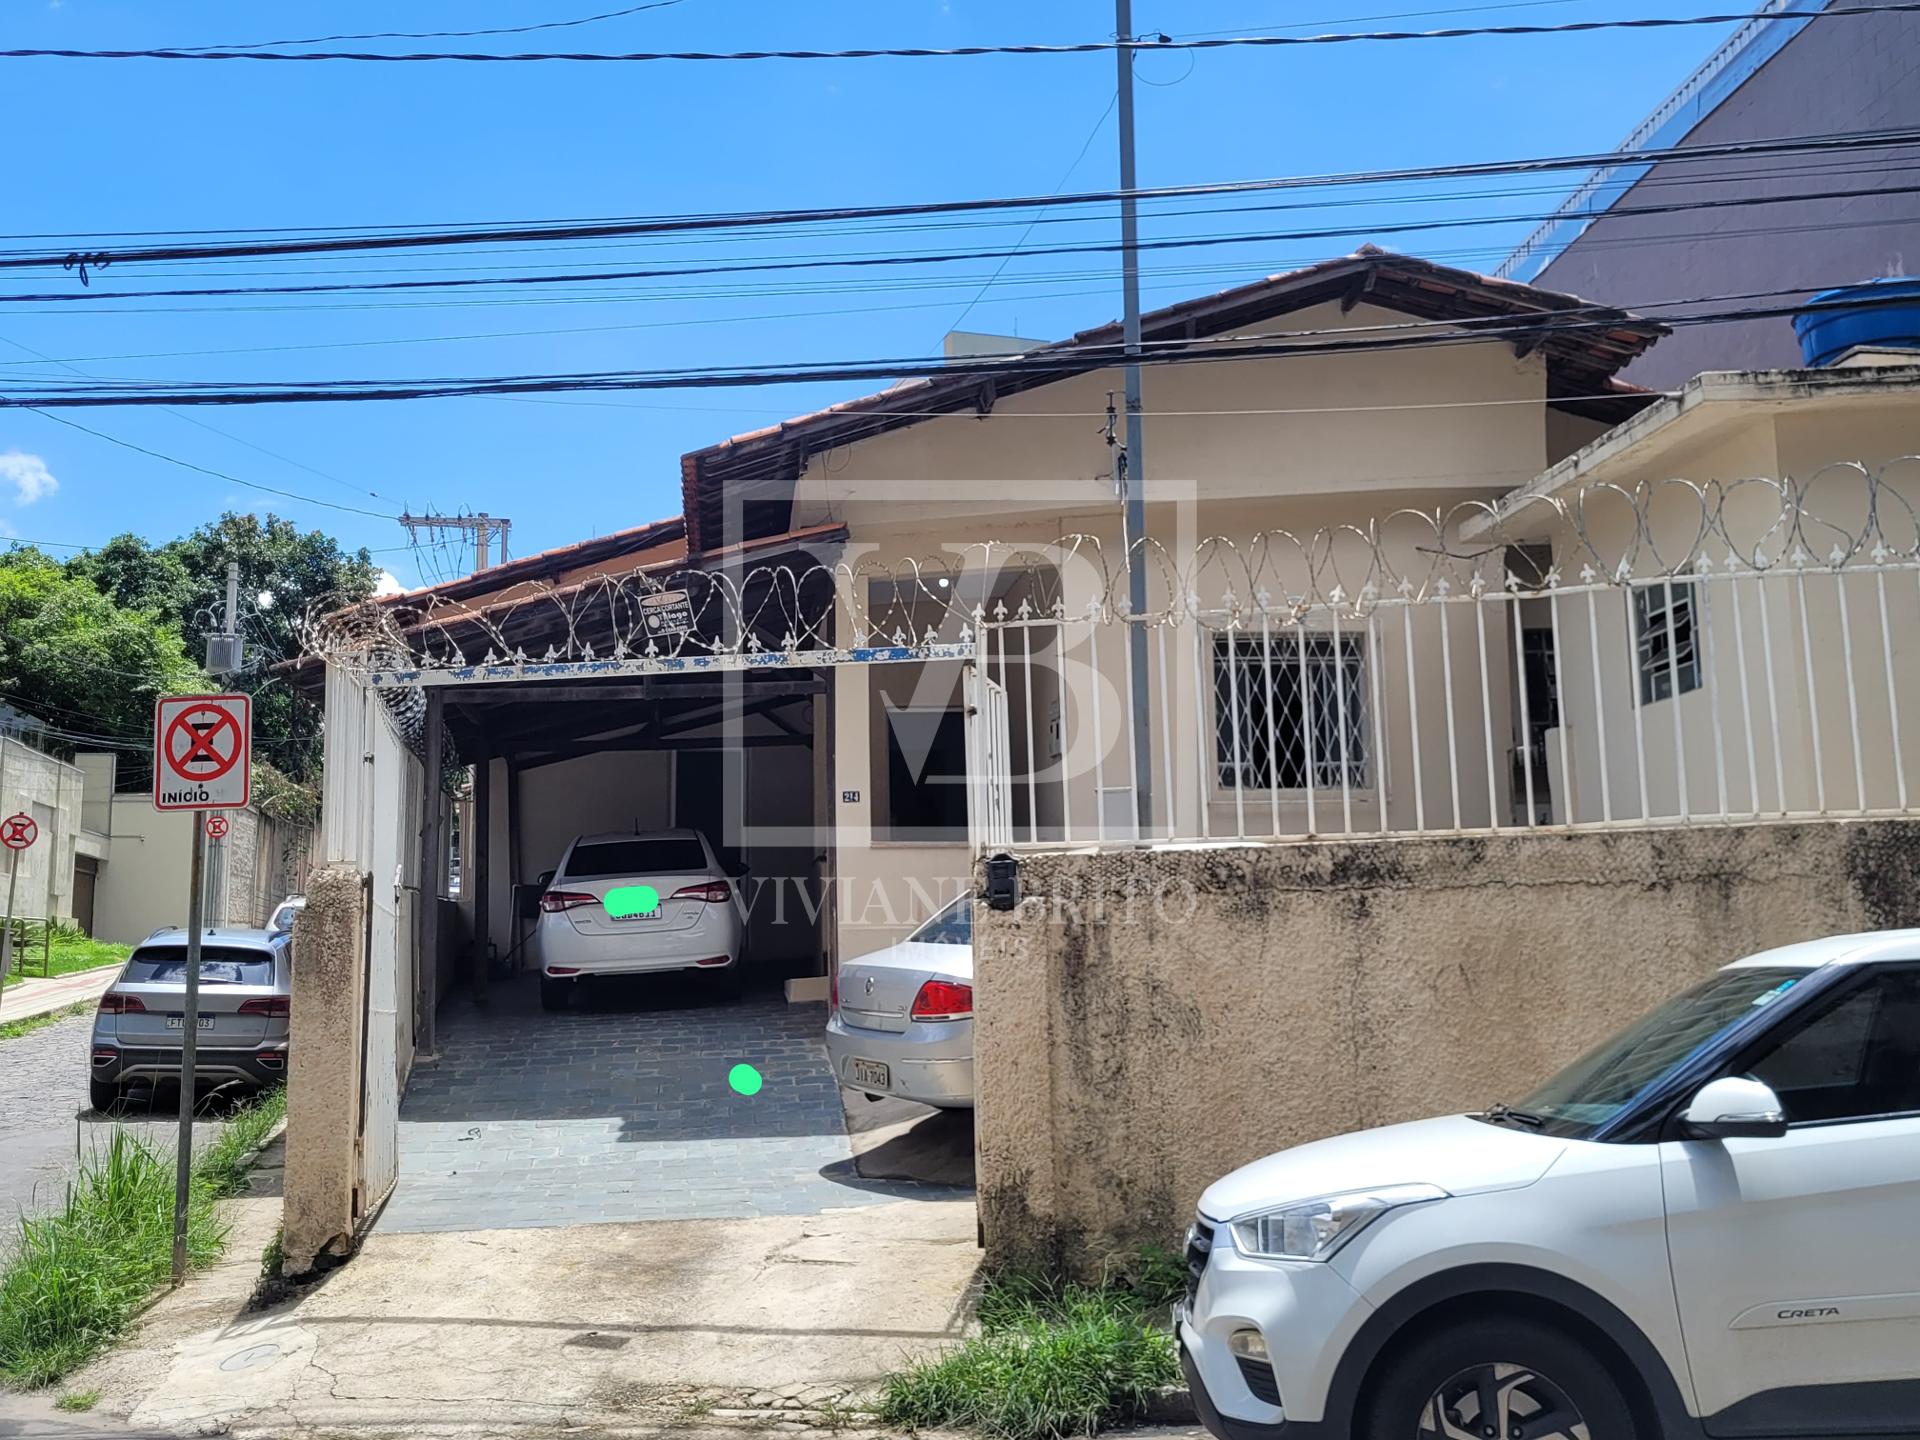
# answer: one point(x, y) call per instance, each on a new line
point(226, 655)
point(480, 530)
point(1132, 459)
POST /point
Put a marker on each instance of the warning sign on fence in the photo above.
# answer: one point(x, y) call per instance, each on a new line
point(200, 752)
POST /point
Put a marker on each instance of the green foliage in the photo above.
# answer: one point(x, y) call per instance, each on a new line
point(76, 1402)
point(77, 1276)
point(1052, 1360)
point(281, 797)
point(83, 663)
point(178, 591)
point(224, 1165)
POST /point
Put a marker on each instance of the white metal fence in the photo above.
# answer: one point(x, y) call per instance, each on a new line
point(1679, 653)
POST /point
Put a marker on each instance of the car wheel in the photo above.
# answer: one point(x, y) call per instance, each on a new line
point(555, 994)
point(104, 1095)
point(1498, 1380)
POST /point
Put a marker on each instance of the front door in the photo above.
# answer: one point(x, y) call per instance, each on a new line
point(1796, 1261)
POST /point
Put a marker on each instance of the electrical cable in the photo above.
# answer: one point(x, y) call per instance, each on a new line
point(1078, 360)
point(35, 407)
point(864, 262)
point(379, 238)
point(1087, 47)
point(448, 34)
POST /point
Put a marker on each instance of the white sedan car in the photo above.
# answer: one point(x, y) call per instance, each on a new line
point(637, 904)
point(902, 1018)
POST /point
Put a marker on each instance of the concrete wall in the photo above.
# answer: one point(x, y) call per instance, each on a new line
point(50, 790)
point(1129, 1052)
point(1833, 77)
point(143, 880)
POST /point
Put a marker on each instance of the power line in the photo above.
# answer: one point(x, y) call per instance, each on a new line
point(1369, 19)
point(392, 238)
point(448, 34)
point(1089, 47)
point(916, 258)
point(35, 406)
point(1083, 358)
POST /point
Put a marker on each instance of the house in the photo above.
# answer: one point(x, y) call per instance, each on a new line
point(1649, 234)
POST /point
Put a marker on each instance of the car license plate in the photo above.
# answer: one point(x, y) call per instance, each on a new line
point(179, 1022)
point(872, 1073)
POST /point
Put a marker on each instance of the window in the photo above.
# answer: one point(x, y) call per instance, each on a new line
point(1666, 640)
point(926, 774)
point(618, 859)
point(1606, 1080)
point(219, 965)
point(1268, 707)
point(952, 926)
point(1858, 1056)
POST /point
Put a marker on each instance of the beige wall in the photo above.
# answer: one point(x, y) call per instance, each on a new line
point(143, 880)
point(1774, 652)
point(1127, 1057)
point(1037, 469)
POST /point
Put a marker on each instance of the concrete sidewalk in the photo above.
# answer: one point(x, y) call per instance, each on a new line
point(24, 999)
point(611, 1329)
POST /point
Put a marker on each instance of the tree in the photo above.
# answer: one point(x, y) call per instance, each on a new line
point(88, 666)
point(285, 574)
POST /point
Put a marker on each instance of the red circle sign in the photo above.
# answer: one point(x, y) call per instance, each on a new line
point(17, 832)
point(193, 743)
point(216, 827)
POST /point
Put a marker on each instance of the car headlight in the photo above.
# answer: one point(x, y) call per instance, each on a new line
point(1314, 1229)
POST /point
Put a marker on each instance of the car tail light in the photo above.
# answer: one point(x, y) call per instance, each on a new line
point(563, 969)
point(105, 1057)
point(714, 892)
point(112, 1004)
point(276, 1007)
point(715, 960)
point(555, 901)
point(271, 1059)
point(943, 1000)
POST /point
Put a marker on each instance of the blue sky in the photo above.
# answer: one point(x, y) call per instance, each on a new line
point(124, 146)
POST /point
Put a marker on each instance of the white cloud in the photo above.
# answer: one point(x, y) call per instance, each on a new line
point(28, 474)
point(388, 584)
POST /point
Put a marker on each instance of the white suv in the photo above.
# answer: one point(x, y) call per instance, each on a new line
point(1708, 1226)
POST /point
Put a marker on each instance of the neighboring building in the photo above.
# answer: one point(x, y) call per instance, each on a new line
point(144, 874)
point(1771, 80)
point(56, 872)
point(1777, 610)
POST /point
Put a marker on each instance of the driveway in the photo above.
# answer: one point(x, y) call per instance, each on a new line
point(623, 1111)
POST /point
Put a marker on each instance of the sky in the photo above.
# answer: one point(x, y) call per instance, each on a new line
point(105, 147)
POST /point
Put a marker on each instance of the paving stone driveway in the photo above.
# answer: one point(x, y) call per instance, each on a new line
point(622, 1112)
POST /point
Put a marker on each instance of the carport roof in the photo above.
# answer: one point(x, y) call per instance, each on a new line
point(1585, 346)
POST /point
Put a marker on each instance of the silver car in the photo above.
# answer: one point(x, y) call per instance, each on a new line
point(902, 1018)
point(245, 1005)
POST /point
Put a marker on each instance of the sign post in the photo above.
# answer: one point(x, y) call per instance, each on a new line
point(200, 762)
point(17, 833)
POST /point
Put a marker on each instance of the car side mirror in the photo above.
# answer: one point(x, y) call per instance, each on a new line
point(1734, 1108)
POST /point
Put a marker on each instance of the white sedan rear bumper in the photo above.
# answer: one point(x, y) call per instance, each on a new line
point(568, 953)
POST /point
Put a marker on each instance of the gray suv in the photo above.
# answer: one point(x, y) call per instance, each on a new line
point(246, 993)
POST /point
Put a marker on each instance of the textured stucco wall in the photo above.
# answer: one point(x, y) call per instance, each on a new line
point(323, 1085)
point(1151, 1020)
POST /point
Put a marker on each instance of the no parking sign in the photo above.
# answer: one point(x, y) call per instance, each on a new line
point(200, 752)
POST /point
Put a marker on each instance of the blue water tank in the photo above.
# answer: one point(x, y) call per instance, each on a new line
point(1880, 312)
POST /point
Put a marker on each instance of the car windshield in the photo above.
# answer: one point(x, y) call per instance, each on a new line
point(219, 965)
point(614, 859)
point(952, 926)
point(1602, 1083)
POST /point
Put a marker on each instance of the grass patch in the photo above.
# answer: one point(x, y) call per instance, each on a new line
point(1053, 1359)
point(77, 1401)
point(69, 950)
point(80, 1274)
point(14, 1029)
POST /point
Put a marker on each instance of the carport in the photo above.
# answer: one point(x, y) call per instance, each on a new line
point(473, 732)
